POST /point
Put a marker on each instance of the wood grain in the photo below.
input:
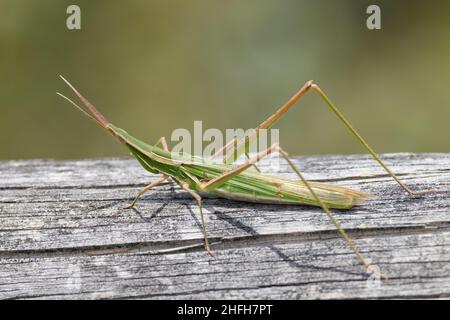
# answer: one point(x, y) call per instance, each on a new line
point(63, 236)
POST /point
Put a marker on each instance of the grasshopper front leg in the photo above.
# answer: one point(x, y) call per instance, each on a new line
point(163, 178)
point(144, 190)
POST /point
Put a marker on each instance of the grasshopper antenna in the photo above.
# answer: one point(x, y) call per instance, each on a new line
point(80, 109)
point(100, 119)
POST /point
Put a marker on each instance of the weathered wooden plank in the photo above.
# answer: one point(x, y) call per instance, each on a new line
point(314, 269)
point(54, 215)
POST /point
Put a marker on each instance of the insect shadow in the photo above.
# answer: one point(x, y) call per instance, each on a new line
point(253, 233)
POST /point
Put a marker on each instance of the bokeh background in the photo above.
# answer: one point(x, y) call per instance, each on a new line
point(153, 66)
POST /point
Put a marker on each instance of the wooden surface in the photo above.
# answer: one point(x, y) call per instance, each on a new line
point(63, 236)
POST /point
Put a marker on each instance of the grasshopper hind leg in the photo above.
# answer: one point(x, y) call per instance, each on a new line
point(369, 267)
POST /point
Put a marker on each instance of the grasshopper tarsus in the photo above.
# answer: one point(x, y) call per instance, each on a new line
point(125, 207)
point(422, 193)
point(210, 252)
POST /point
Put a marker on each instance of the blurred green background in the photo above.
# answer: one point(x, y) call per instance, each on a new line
point(153, 66)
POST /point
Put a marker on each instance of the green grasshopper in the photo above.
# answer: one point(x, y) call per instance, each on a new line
point(236, 182)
